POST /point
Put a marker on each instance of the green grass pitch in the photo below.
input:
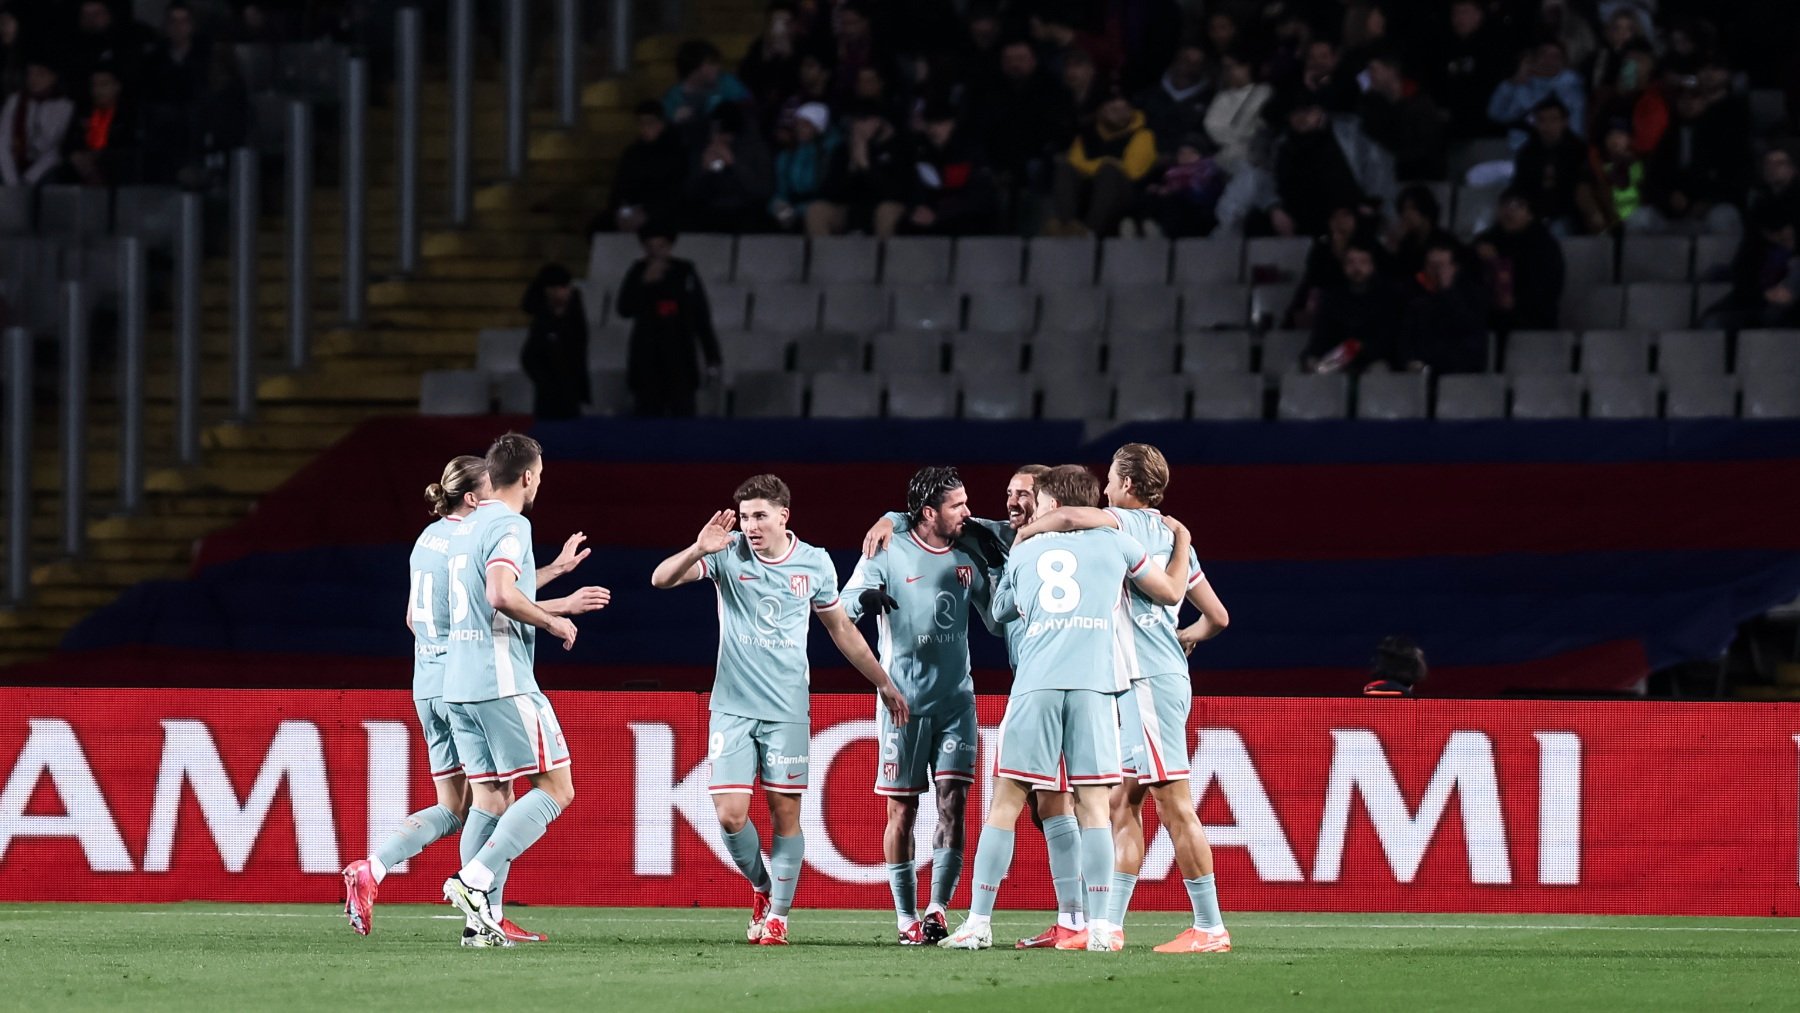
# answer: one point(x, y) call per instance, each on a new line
point(224, 956)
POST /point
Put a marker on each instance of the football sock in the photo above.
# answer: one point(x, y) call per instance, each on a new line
point(476, 831)
point(524, 822)
point(1062, 839)
point(1123, 884)
point(1097, 869)
point(993, 856)
point(946, 872)
point(745, 848)
point(1204, 894)
point(496, 893)
point(904, 880)
point(413, 835)
point(785, 856)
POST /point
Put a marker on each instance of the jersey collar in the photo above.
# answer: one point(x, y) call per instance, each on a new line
point(917, 541)
point(793, 543)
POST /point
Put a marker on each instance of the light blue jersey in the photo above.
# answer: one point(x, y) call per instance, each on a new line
point(491, 655)
point(1158, 649)
point(764, 605)
point(923, 644)
point(981, 595)
point(428, 606)
point(1068, 589)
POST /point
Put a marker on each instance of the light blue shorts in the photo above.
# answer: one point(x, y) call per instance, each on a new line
point(1153, 736)
point(941, 746)
point(1055, 739)
point(511, 737)
point(440, 743)
point(745, 750)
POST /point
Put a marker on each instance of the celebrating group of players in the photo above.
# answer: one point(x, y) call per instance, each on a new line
point(1087, 599)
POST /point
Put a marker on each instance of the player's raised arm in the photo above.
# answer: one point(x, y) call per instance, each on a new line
point(568, 559)
point(1005, 605)
point(504, 596)
point(856, 651)
point(685, 567)
point(1068, 518)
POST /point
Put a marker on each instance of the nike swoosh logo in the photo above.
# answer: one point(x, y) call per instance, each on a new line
point(911, 579)
point(746, 576)
point(795, 777)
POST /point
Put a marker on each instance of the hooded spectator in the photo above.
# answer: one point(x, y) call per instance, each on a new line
point(555, 355)
point(1635, 96)
point(33, 124)
point(671, 328)
point(871, 180)
point(1095, 181)
point(955, 195)
point(801, 165)
point(1552, 165)
point(1778, 190)
point(1176, 106)
point(1543, 74)
point(1524, 265)
point(1315, 172)
point(1324, 268)
point(1234, 118)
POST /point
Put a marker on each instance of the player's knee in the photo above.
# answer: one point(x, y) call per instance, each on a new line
point(902, 811)
point(732, 822)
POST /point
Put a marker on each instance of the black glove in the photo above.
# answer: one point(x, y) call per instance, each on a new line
point(982, 544)
point(876, 601)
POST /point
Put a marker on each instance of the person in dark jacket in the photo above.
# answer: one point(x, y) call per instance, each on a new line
point(1357, 320)
point(1025, 119)
point(671, 320)
point(105, 141)
point(1445, 328)
point(1524, 266)
point(1551, 165)
point(648, 184)
point(1399, 667)
point(555, 352)
point(871, 182)
point(955, 193)
point(731, 179)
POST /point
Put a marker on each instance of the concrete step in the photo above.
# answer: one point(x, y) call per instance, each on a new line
point(1768, 694)
point(1788, 674)
point(99, 573)
point(35, 618)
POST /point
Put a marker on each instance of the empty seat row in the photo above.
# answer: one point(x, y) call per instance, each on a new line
point(1631, 352)
point(1638, 306)
point(85, 212)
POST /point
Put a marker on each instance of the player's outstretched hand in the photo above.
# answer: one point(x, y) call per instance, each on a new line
point(571, 555)
point(895, 704)
point(877, 602)
point(588, 599)
point(983, 544)
point(880, 534)
point(563, 630)
point(717, 532)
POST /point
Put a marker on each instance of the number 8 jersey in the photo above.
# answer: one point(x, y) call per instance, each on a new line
point(1068, 589)
point(490, 655)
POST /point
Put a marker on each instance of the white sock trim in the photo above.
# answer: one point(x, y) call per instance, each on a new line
point(477, 875)
point(378, 870)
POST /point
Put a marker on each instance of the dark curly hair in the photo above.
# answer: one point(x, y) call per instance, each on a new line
point(928, 487)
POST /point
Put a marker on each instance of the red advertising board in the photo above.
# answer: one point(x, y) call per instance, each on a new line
point(1311, 804)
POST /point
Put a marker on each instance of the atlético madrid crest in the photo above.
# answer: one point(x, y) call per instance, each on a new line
point(800, 584)
point(965, 575)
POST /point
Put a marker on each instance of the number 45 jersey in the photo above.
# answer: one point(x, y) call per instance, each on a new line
point(924, 644)
point(1068, 589)
point(490, 654)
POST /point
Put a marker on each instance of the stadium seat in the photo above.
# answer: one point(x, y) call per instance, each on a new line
point(1659, 305)
point(828, 353)
point(514, 392)
point(1075, 352)
point(1546, 396)
point(15, 210)
point(1771, 396)
point(593, 302)
point(984, 261)
point(1656, 258)
point(927, 308)
point(844, 260)
point(712, 254)
point(611, 392)
point(915, 260)
point(1768, 352)
point(1060, 263)
point(1690, 352)
point(1475, 206)
point(1217, 260)
point(497, 351)
point(1156, 397)
point(744, 352)
point(1281, 351)
point(72, 212)
point(920, 396)
point(1072, 395)
point(147, 212)
point(1142, 308)
point(1696, 396)
point(1314, 396)
point(785, 309)
point(454, 392)
point(1594, 307)
point(96, 265)
point(1713, 256)
point(771, 260)
point(1587, 261)
point(1275, 258)
point(1223, 397)
point(1391, 396)
point(1215, 352)
point(1214, 307)
point(1141, 352)
point(845, 396)
point(906, 352)
point(1003, 309)
point(610, 255)
point(1540, 352)
point(1471, 396)
point(1133, 263)
point(1269, 303)
point(767, 396)
point(1616, 396)
point(730, 305)
point(856, 307)
point(986, 353)
point(1604, 352)
point(1707, 294)
point(1073, 309)
point(990, 401)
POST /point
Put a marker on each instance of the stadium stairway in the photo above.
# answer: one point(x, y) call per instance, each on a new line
point(468, 279)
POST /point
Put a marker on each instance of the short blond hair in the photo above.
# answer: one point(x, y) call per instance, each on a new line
point(1146, 469)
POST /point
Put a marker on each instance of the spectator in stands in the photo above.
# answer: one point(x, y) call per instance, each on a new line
point(1365, 34)
point(1699, 171)
point(103, 147)
point(1320, 164)
point(814, 77)
point(1324, 265)
point(1184, 200)
point(1147, 34)
point(1543, 74)
point(220, 123)
point(1778, 189)
point(1025, 120)
point(1524, 265)
point(974, 64)
point(1058, 31)
point(1551, 166)
point(1222, 35)
point(177, 69)
point(702, 85)
point(1320, 79)
point(1613, 192)
point(648, 184)
point(871, 180)
point(102, 39)
point(955, 195)
point(856, 48)
point(731, 180)
point(1095, 182)
point(770, 71)
point(1176, 106)
point(1086, 92)
point(33, 124)
point(1399, 667)
point(1765, 278)
point(1418, 224)
point(1357, 319)
point(1234, 118)
point(1571, 29)
point(1285, 61)
point(12, 65)
point(801, 166)
point(671, 328)
point(555, 355)
point(1402, 119)
point(1472, 61)
point(1445, 327)
point(1635, 96)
